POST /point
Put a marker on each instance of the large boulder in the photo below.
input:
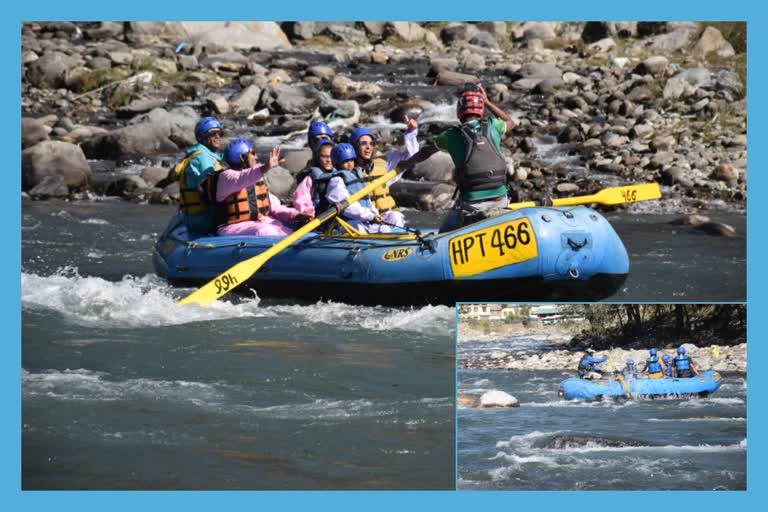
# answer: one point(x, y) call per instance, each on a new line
point(280, 182)
point(496, 398)
point(689, 79)
point(245, 101)
point(288, 99)
point(54, 158)
point(424, 195)
point(437, 168)
point(406, 30)
point(155, 133)
point(529, 30)
point(32, 132)
point(212, 35)
point(50, 70)
point(711, 40)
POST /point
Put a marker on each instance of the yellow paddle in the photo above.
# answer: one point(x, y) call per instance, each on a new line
point(607, 196)
point(621, 379)
point(241, 272)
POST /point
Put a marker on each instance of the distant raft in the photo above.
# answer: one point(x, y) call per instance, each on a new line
point(565, 253)
point(703, 385)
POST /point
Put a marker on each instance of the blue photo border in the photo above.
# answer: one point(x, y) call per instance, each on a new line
point(10, 259)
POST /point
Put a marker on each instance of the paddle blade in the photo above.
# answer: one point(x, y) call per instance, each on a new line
point(615, 195)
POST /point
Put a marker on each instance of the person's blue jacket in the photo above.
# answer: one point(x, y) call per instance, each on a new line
point(202, 165)
point(589, 364)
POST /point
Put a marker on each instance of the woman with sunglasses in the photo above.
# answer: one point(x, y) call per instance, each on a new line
point(244, 205)
point(364, 143)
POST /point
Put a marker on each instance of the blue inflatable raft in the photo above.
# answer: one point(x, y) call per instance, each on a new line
point(703, 385)
point(531, 254)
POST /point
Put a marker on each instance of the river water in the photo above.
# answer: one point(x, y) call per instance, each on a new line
point(123, 389)
point(549, 443)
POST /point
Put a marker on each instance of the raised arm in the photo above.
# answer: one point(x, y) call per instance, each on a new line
point(511, 123)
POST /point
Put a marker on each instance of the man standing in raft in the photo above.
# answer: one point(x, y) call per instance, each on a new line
point(244, 205)
point(480, 171)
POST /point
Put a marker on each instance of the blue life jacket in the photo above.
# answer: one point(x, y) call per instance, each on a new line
point(682, 362)
point(354, 181)
point(668, 370)
point(653, 365)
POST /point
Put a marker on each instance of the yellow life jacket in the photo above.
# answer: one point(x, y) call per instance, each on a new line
point(380, 196)
point(191, 201)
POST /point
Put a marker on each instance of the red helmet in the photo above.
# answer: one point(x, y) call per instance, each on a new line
point(470, 103)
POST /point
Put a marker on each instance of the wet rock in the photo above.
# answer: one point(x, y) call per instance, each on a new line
point(711, 40)
point(32, 132)
point(496, 398)
point(468, 400)
point(50, 186)
point(54, 158)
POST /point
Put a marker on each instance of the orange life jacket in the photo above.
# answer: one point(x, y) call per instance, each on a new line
point(250, 203)
point(191, 201)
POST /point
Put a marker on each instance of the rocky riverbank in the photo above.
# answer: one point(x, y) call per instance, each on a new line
point(108, 107)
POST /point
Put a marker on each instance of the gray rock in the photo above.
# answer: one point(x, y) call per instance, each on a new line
point(727, 173)
point(496, 398)
point(437, 168)
point(655, 65)
point(601, 46)
point(497, 28)
point(439, 64)
point(54, 158)
point(406, 30)
point(217, 103)
point(32, 132)
point(188, 63)
point(711, 40)
point(535, 30)
point(484, 39)
point(50, 186)
point(155, 133)
point(454, 78)
point(296, 161)
point(325, 72)
point(346, 34)
point(663, 143)
point(676, 175)
point(287, 99)
point(140, 106)
point(640, 94)
point(537, 70)
point(567, 188)
point(375, 28)
point(299, 29)
point(226, 36)
point(423, 195)
point(49, 70)
point(120, 58)
point(152, 175)
point(280, 182)
point(671, 41)
point(456, 32)
point(474, 62)
point(102, 63)
point(245, 102)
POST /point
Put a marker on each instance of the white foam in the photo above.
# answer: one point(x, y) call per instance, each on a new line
point(675, 420)
point(87, 385)
point(150, 301)
point(98, 222)
point(703, 448)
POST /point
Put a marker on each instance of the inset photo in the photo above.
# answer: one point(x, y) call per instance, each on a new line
point(602, 397)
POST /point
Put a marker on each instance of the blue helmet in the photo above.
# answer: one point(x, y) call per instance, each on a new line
point(322, 142)
point(357, 133)
point(205, 125)
point(653, 351)
point(318, 128)
point(681, 349)
point(665, 358)
point(235, 150)
point(342, 153)
point(630, 362)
